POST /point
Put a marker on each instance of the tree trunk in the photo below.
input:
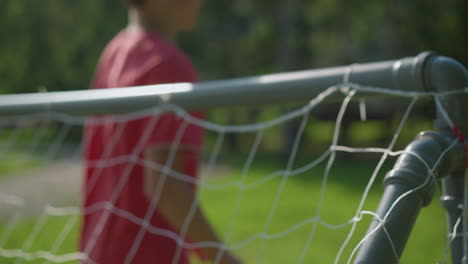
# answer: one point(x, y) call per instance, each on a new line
point(286, 60)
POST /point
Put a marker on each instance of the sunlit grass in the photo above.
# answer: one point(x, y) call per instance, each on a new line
point(298, 203)
point(15, 162)
point(241, 215)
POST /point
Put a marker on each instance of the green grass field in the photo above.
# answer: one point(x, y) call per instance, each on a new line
point(16, 162)
point(297, 203)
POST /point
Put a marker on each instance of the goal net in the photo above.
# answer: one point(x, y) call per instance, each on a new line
point(313, 205)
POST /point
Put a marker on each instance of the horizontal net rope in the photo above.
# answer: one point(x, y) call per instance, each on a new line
point(44, 137)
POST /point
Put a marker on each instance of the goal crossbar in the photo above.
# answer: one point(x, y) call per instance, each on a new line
point(407, 74)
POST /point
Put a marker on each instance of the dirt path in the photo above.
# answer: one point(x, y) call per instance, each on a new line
point(57, 184)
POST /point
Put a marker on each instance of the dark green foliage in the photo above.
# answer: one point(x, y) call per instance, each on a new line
point(56, 43)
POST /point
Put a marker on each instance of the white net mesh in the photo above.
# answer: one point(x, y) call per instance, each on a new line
point(312, 207)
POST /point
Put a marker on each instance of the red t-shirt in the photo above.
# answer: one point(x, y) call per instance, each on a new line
point(114, 204)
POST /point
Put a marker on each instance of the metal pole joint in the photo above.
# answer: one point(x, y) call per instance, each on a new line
point(408, 188)
point(422, 159)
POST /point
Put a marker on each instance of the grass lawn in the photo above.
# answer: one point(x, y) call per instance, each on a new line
point(299, 201)
point(241, 216)
point(16, 162)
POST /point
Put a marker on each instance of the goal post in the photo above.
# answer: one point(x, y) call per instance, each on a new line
point(440, 154)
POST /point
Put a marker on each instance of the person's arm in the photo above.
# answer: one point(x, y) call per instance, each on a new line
point(176, 200)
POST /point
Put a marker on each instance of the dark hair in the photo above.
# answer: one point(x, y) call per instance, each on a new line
point(134, 2)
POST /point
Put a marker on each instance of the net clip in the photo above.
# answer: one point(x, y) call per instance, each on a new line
point(462, 139)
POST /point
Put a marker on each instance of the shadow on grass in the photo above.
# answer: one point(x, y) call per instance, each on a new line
point(350, 171)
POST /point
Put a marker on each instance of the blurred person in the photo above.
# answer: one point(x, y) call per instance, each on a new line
point(118, 195)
